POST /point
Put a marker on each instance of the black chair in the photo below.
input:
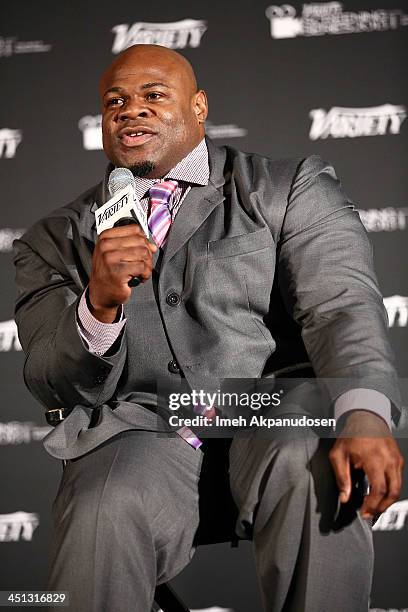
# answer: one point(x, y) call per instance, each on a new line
point(167, 600)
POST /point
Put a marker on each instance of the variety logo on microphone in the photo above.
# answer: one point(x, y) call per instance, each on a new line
point(397, 309)
point(123, 204)
point(12, 46)
point(388, 219)
point(9, 141)
point(18, 526)
point(320, 18)
point(118, 206)
point(8, 336)
point(341, 122)
point(16, 432)
point(175, 35)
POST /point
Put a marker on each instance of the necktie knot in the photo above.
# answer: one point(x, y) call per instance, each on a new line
point(160, 217)
point(161, 192)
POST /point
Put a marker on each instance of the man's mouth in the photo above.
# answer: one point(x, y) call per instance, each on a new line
point(135, 137)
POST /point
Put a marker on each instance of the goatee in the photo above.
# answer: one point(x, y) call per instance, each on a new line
point(142, 169)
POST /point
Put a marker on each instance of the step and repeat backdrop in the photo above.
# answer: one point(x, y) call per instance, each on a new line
point(282, 80)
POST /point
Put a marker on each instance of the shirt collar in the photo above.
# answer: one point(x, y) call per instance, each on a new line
point(194, 168)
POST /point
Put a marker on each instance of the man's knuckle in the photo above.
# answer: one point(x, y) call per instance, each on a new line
point(334, 455)
point(109, 258)
point(394, 464)
point(102, 245)
point(380, 491)
point(394, 496)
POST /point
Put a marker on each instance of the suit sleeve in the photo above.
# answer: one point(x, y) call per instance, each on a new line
point(59, 369)
point(328, 284)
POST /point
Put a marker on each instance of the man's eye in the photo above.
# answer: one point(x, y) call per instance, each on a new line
point(154, 95)
point(115, 102)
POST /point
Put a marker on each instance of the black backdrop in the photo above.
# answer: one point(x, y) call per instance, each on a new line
point(282, 80)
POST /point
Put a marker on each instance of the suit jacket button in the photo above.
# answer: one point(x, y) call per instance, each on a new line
point(173, 367)
point(173, 299)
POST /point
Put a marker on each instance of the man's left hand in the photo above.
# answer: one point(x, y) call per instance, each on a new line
point(366, 442)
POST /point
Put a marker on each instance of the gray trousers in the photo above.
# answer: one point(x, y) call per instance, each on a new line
point(126, 514)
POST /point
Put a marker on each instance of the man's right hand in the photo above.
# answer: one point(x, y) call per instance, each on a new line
point(120, 254)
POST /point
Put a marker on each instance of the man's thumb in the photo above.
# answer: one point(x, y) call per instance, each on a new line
point(341, 465)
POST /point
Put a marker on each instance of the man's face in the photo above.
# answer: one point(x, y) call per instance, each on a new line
point(152, 116)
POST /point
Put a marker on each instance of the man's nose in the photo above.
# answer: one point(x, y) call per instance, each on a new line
point(134, 109)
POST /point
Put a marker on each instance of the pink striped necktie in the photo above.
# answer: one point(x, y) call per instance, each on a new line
point(160, 218)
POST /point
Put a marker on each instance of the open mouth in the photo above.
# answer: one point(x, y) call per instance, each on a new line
point(135, 138)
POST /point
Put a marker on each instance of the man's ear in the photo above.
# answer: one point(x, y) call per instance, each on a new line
point(201, 105)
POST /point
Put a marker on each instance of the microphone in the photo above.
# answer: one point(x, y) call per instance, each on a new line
point(119, 179)
point(122, 178)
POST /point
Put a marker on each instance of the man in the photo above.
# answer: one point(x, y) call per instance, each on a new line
point(266, 266)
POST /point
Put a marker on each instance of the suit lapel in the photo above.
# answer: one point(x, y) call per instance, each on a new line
point(196, 207)
point(198, 204)
point(99, 196)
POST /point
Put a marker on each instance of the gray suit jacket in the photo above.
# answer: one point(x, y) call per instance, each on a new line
point(273, 267)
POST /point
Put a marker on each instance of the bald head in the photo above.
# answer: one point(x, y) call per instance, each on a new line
point(153, 115)
point(152, 54)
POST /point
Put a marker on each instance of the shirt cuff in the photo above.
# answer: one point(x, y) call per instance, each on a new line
point(99, 336)
point(363, 399)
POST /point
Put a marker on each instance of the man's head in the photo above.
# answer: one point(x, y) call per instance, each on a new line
point(152, 112)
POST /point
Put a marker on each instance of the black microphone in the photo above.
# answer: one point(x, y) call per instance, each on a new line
point(119, 179)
